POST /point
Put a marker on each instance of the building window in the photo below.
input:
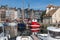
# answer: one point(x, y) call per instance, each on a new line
point(1, 30)
point(55, 15)
point(3, 16)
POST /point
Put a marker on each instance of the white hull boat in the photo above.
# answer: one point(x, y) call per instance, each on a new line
point(53, 33)
point(42, 36)
point(24, 38)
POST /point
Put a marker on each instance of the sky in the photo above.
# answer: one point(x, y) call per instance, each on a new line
point(34, 4)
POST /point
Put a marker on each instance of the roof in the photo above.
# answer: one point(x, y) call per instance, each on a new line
point(50, 13)
point(12, 9)
point(50, 5)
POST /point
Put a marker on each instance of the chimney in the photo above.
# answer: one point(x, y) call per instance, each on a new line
point(47, 10)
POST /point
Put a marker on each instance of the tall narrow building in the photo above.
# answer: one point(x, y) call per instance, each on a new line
point(3, 13)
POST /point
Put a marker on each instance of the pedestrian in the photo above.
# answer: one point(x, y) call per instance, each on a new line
point(21, 26)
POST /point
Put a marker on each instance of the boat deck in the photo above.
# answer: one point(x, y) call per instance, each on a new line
point(33, 36)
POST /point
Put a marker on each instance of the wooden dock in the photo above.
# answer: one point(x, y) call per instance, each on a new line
point(34, 37)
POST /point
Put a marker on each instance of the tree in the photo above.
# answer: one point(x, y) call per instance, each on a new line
point(43, 13)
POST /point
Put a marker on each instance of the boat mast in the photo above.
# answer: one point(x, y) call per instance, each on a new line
point(28, 10)
point(23, 10)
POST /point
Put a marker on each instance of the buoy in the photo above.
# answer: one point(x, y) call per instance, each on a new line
point(35, 26)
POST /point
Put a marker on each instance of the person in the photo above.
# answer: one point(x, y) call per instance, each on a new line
point(21, 26)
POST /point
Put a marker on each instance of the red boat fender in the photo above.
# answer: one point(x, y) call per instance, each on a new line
point(35, 26)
